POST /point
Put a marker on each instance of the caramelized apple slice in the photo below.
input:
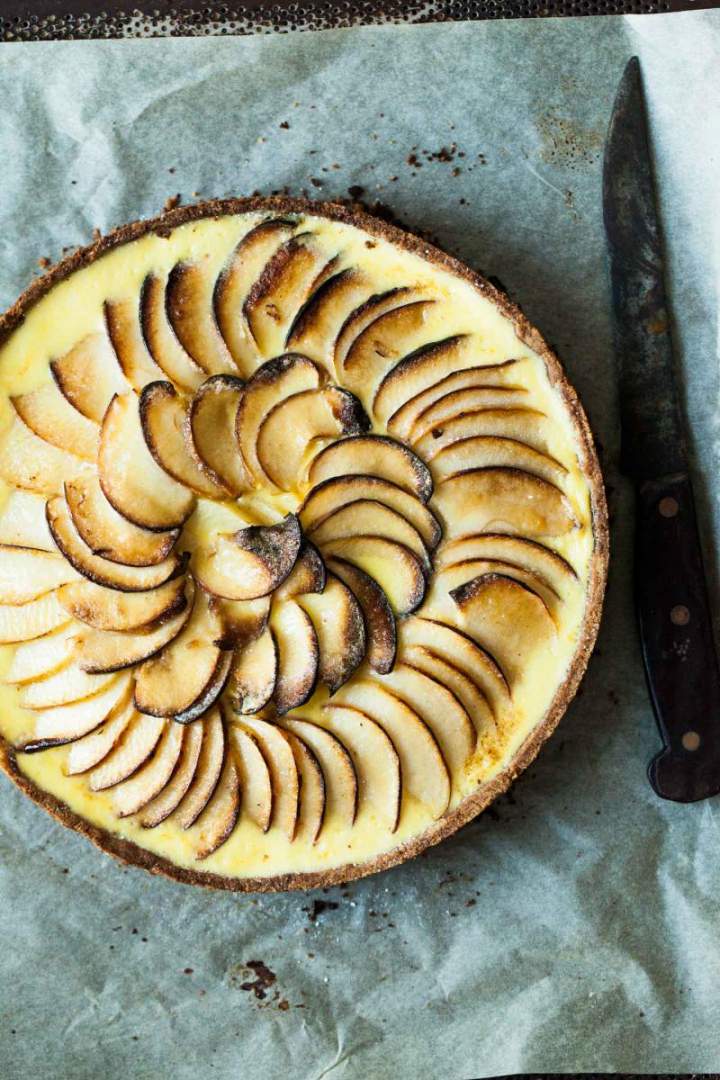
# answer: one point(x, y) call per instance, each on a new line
point(373, 455)
point(23, 522)
point(525, 425)
point(165, 424)
point(257, 792)
point(395, 568)
point(122, 320)
point(139, 789)
point(311, 809)
point(63, 723)
point(452, 577)
point(53, 419)
point(249, 259)
point(298, 655)
point(107, 650)
point(443, 713)
point(188, 675)
point(107, 533)
point(316, 325)
point(367, 517)
point(253, 674)
point(462, 686)
point(131, 479)
point(459, 402)
point(189, 293)
point(509, 620)
point(244, 620)
point(379, 347)
point(376, 762)
point(307, 575)
point(110, 609)
point(341, 787)
point(42, 657)
point(89, 377)
point(515, 550)
point(503, 500)
point(337, 492)
point(292, 427)
point(284, 777)
point(487, 451)
point(22, 622)
point(219, 818)
point(419, 370)
point(89, 751)
point(272, 383)
point(26, 573)
point(164, 347)
point(136, 744)
point(340, 630)
point(212, 431)
point(168, 799)
point(208, 769)
point(103, 572)
point(424, 772)
point(379, 620)
point(400, 422)
point(30, 463)
point(69, 684)
point(361, 317)
point(252, 562)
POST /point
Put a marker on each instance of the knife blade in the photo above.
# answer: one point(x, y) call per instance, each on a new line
point(671, 596)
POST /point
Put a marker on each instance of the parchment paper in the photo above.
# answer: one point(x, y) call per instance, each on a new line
point(574, 927)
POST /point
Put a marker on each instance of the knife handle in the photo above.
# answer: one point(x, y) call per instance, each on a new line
point(676, 633)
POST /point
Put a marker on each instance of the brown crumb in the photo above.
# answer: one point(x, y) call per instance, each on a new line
point(283, 1005)
point(315, 182)
point(44, 262)
point(284, 125)
point(171, 202)
point(355, 191)
point(187, 971)
point(96, 234)
point(264, 979)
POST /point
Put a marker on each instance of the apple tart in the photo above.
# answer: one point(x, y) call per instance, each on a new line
point(302, 543)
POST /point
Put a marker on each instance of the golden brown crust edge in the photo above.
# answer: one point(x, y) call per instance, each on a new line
point(473, 804)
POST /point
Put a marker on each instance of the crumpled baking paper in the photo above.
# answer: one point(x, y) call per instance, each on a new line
point(576, 925)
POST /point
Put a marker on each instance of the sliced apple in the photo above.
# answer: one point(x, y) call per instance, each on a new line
point(340, 629)
point(53, 419)
point(131, 479)
point(307, 575)
point(22, 622)
point(105, 650)
point(317, 323)
point(112, 575)
point(508, 620)
point(458, 402)
point(337, 492)
point(311, 809)
point(257, 792)
point(461, 685)
point(89, 751)
point(373, 455)
point(298, 655)
point(377, 765)
point(381, 344)
point(122, 319)
point(525, 425)
point(424, 772)
point(457, 648)
point(452, 577)
point(208, 769)
point(139, 789)
point(189, 295)
point(219, 818)
point(163, 345)
point(165, 424)
point(367, 517)
point(188, 675)
point(167, 800)
point(244, 620)
point(134, 747)
point(107, 533)
point(503, 500)
point(110, 609)
point(282, 288)
point(253, 674)
point(395, 568)
point(248, 261)
point(284, 777)
point(250, 563)
point(89, 377)
point(272, 383)
point(42, 657)
point(63, 723)
point(441, 710)
point(30, 463)
point(23, 522)
point(26, 573)
point(516, 551)
point(487, 451)
point(424, 376)
point(341, 788)
point(380, 637)
point(212, 431)
point(361, 317)
point(296, 424)
point(69, 684)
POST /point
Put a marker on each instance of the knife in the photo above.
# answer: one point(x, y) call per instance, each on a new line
point(671, 595)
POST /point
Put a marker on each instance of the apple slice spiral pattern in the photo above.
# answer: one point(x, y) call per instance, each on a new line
point(289, 534)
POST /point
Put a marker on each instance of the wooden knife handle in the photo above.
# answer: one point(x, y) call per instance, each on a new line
point(677, 641)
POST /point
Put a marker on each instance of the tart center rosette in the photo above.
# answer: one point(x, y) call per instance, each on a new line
point(283, 541)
